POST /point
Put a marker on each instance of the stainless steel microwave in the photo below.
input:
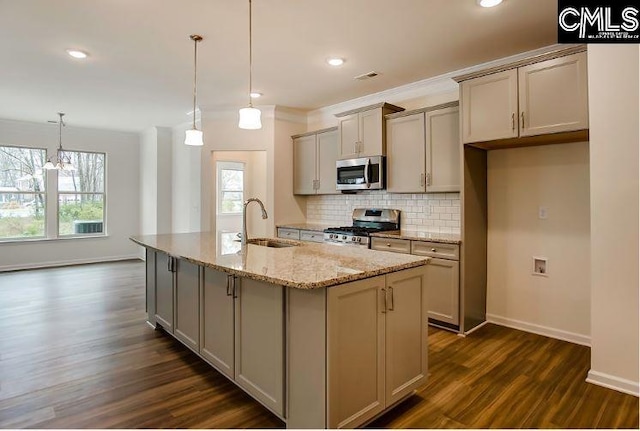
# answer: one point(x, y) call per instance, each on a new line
point(366, 173)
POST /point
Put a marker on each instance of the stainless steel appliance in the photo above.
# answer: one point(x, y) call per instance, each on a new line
point(366, 173)
point(365, 222)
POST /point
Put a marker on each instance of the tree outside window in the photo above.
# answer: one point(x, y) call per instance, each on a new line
point(22, 193)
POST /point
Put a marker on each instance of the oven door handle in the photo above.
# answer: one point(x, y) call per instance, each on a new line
point(366, 172)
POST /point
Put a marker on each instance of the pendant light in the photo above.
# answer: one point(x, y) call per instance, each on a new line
point(194, 136)
point(250, 116)
point(62, 161)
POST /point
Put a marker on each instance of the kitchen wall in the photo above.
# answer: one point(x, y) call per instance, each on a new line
point(434, 212)
point(520, 181)
point(614, 75)
point(122, 202)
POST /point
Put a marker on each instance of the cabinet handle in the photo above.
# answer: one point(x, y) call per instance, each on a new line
point(384, 295)
point(391, 291)
point(169, 259)
point(513, 121)
point(421, 180)
point(522, 118)
point(428, 179)
point(229, 292)
point(235, 288)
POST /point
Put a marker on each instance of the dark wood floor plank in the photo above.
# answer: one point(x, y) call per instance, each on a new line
point(75, 352)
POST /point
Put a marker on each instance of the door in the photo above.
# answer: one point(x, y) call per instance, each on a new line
point(328, 152)
point(406, 154)
point(553, 95)
point(187, 304)
point(355, 352)
point(490, 107)
point(259, 341)
point(443, 150)
point(371, 133)
point(304, 165)
point(348, 136)
point(443, 290)
point(217, 345)
point(405, 334)
point(164, 290)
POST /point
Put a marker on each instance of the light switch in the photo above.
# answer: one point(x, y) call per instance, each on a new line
point(543, 213)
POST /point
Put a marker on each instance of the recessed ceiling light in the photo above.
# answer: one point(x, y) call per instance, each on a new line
point(489, 3)
point(335, 61)
point(77, 54)
point(255, 95)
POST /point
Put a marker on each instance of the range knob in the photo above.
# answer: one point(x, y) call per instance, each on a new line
point(359, 239)
point(344, 237)
point(353, 238)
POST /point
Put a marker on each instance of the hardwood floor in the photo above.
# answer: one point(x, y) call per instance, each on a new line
point(75, 352)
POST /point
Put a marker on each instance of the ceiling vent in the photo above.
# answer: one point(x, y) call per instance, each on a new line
point(368, 75)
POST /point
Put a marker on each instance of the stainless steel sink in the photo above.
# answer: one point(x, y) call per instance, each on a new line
point(273, 243)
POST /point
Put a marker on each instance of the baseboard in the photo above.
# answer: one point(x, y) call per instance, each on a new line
point(558, 334)
point(613, 382)
point(69, 262)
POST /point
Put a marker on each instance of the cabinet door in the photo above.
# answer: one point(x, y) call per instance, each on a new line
point(304, 165)
point(371, 128)
point(405, 333)
point(328, 152)
point(348, 135)
point(489, 107)
point(443, 150)
point(259, 342)
point(164, 291)
point(443, 290)
point(150, 286)
point(355, 352)
point(553, 95)
point(406, 154)
point(187, 304)
point(217, 345)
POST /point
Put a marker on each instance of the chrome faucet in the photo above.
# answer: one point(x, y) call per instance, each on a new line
point(245, 237)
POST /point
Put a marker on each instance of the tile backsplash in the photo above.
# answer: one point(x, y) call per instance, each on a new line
point(433, 212)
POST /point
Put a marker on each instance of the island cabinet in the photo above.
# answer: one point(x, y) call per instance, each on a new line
point(314, 162)
point(535, 98)
point(356, 351)
point(165, 280)
point(242, 334)
point(362, 132)
point(423, 150)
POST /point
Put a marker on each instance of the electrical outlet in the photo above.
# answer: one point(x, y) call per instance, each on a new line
point(543, 213)
point(540, 266)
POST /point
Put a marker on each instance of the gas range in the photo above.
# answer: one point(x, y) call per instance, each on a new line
point(365, 222)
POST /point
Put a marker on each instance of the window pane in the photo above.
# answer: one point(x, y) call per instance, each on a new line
point(231, 202)
point(80, 214)
point(88, 175)
point(21, 215)
point(21, 169)
point(231, 179)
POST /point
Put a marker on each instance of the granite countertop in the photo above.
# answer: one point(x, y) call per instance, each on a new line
point(306, 266)
point(446, 238)
point(318, 227)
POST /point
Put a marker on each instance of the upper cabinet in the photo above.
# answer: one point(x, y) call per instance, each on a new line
point(361, 132)
point(423, 150)
point(538, 97)
point(314, 162)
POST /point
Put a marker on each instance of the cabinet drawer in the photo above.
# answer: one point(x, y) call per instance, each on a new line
point(435, 249)
point(391, 244)
point(310, 235)
point(288, 233)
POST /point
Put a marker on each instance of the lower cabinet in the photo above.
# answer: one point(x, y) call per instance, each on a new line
point(187, 303)
point(217, 341)
point(443, 280)
point(164, 290)
point(376, 345)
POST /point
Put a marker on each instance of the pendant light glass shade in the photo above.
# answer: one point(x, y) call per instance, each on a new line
point(250, 118)
point(193, 137)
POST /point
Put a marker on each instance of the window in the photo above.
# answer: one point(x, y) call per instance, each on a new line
point(230, 187)
point(22, 192)
point(81, 195)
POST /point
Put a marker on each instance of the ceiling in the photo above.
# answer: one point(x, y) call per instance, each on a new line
point(140, 69)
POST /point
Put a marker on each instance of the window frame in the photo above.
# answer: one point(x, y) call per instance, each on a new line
point(229, 165)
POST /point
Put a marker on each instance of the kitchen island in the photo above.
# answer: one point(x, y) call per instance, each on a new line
point(324, 336)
